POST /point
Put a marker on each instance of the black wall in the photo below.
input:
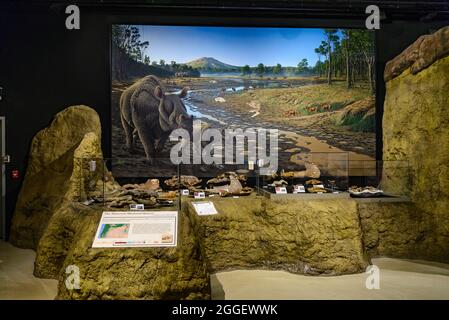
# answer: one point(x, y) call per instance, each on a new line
point(44, 67)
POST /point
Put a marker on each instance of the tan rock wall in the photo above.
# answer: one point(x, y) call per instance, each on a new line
point(55, 172)
point(396, 230)
point(416, 129)
point(320, 237)
point(123, 273)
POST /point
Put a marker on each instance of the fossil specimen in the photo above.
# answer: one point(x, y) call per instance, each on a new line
point(312, 171)
point(184, 181)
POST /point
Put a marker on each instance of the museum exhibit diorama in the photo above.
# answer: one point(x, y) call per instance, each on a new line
point(149, 152)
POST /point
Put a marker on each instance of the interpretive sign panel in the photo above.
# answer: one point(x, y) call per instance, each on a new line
point(137, 229)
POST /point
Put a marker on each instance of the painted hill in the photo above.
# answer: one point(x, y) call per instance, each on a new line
point(210, 63)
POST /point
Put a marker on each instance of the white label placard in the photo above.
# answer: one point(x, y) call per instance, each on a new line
point(299, 188)
point(250, 165)
point(136, 206)
point(137, 229)
point(204, 208)
point(281, 190)
point(185, 192)
point(199, 195)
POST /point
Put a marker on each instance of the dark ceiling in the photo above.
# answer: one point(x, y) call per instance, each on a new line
point(391, 9)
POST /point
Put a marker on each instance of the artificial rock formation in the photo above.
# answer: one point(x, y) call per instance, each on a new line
point(50, 217)
point(395, 229)
point(128, 273)
point(420, 55)
point(323, 237)
point(416, 131)
point(56, 171)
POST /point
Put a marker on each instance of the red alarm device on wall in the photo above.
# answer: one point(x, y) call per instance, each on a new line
point(15, 174)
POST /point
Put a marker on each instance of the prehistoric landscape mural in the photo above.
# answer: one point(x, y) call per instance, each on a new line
point(316, 86)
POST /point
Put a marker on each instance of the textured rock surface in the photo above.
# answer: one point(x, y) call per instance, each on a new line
point(421, 54)
point(396, 230)
point(53, 173)
point(64, 133)
point(311, 237)
point(416, 129)
point(125, 273)
point(50, 218)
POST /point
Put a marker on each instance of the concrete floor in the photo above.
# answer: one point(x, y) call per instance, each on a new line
point(16, 276)
point(399, 279)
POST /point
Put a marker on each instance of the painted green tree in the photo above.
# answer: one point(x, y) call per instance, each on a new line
point(364, 42)
point(346, 44)
point(260, 69)
point(127, 38)
point(349, 56)
point(126, 44)
point(331, 37)
point(277, 69)
point(246, 70)
point(302, 66)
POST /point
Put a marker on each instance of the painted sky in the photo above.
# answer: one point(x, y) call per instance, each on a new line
point(232, 45)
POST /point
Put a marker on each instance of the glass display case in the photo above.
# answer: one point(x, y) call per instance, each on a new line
point(337, 175)
point(386, 178)
point(219, 179)
point(308, 175)
point(109, 182)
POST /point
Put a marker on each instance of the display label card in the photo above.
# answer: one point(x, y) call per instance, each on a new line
point(299, 188)
point(281, 190)
point(199, 195)
point(137, 229)
point(185, 192)
point(204, 208)
point(93, 165)
point(136, 206)
point(250, 165)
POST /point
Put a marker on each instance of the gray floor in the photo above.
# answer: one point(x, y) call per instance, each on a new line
point(16, 276)
point(399, 279)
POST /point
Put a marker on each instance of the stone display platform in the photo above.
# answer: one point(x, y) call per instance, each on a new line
point(316, 237)
point(312, 237)
point(320, 237)
point(121, 273)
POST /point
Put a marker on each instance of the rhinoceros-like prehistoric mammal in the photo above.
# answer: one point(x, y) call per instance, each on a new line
point(152, 114)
